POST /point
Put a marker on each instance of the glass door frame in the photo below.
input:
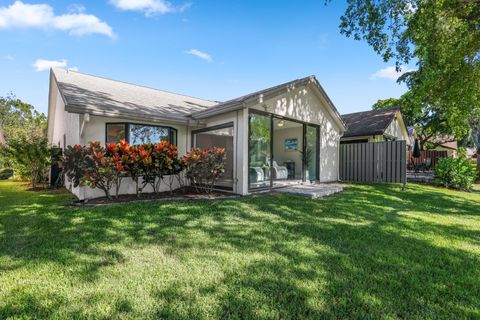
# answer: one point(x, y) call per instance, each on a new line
point(213, 128)
point(273, 116)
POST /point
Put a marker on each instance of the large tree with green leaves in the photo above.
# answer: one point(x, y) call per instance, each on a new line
point(441, 36)
point(19, 121)
point(431, 128)
point(18, 118)
point(32, 155)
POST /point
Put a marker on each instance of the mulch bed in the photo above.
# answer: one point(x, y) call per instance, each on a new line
point(176, 195)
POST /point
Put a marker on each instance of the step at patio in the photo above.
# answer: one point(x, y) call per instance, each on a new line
point(313, 191)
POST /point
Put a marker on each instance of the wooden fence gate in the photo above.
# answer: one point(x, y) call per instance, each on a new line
point(374, 162)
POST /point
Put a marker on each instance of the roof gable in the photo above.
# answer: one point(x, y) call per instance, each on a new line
point(265, 94)
point(368, 123)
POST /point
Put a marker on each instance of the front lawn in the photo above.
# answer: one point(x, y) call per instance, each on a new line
point(370, 252)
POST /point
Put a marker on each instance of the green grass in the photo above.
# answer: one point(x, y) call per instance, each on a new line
point(370, 252)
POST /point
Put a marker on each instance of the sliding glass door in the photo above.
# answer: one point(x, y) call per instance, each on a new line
point(259, 151)
point(219, 136)
point(311, 153)
point(281, 151)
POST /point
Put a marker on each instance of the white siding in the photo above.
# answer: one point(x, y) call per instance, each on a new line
point(397, 130)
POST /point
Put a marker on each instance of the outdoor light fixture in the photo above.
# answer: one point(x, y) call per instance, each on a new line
point(281, 123)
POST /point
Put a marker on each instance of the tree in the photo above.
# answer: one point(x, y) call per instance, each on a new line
point(33, 155)
point(386, 104)
point(430, 124)
point(442, 36)
point(19, 120)
point(473, 138)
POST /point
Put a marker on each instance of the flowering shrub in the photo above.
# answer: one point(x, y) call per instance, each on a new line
point(100, 170)
point(106, 167)
point(204, 167)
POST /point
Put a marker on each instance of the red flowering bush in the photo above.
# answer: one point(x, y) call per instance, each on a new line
point(106, 167)
point(204, 167)
point(100, 170)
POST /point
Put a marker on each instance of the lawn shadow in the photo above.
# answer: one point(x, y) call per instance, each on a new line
point(353, 255)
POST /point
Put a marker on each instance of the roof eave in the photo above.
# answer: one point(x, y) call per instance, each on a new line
point(129, 116)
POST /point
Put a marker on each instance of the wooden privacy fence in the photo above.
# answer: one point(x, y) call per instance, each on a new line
point(374, 162)
point(434, 155)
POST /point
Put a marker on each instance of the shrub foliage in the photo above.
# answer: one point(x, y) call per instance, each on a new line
point(31, 157)
point(147, 165)
point(455, 173)
point(204, 167)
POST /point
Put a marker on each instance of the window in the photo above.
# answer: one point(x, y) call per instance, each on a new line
point(141, 134)
point(136, 133)
point(116, 132)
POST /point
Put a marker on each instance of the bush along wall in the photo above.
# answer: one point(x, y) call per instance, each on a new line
point(455, 173)
point(152, 165)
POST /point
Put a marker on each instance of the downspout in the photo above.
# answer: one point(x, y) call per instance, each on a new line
point(86, 119)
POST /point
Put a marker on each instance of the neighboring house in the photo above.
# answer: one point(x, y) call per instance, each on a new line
point(263, 132)
point(375, 126)
point(451, 147)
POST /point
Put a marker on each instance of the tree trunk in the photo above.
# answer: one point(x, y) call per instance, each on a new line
point(478, 162)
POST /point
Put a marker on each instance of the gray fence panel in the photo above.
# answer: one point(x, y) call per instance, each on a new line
point(374, 162)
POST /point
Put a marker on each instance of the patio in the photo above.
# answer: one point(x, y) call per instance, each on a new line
point(312, 191)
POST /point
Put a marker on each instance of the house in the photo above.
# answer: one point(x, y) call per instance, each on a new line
point(448, 144)
point(440, 143)
point(264, 133)
point(375, 126)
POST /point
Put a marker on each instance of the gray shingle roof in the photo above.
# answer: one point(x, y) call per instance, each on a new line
point(101, 96)
point(368, 123)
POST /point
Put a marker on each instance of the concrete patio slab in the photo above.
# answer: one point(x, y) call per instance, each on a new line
point(313, 191)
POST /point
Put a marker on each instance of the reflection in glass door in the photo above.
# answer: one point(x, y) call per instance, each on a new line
point(259, 151)
point(219, 136)
point(311, 154)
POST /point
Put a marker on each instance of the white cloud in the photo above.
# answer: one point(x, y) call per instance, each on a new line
point(390, 73)
point(41, 16)
point(201, 55)
point(42, 64)
point(9, 57)
point(149, 7)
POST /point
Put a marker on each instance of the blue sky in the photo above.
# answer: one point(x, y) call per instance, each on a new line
point(210, 49)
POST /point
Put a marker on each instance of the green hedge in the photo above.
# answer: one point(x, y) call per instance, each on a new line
point(6, 173)
point(455, 173)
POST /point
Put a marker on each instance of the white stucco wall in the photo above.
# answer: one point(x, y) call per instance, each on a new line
point(307, 105)
point(63, 127)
